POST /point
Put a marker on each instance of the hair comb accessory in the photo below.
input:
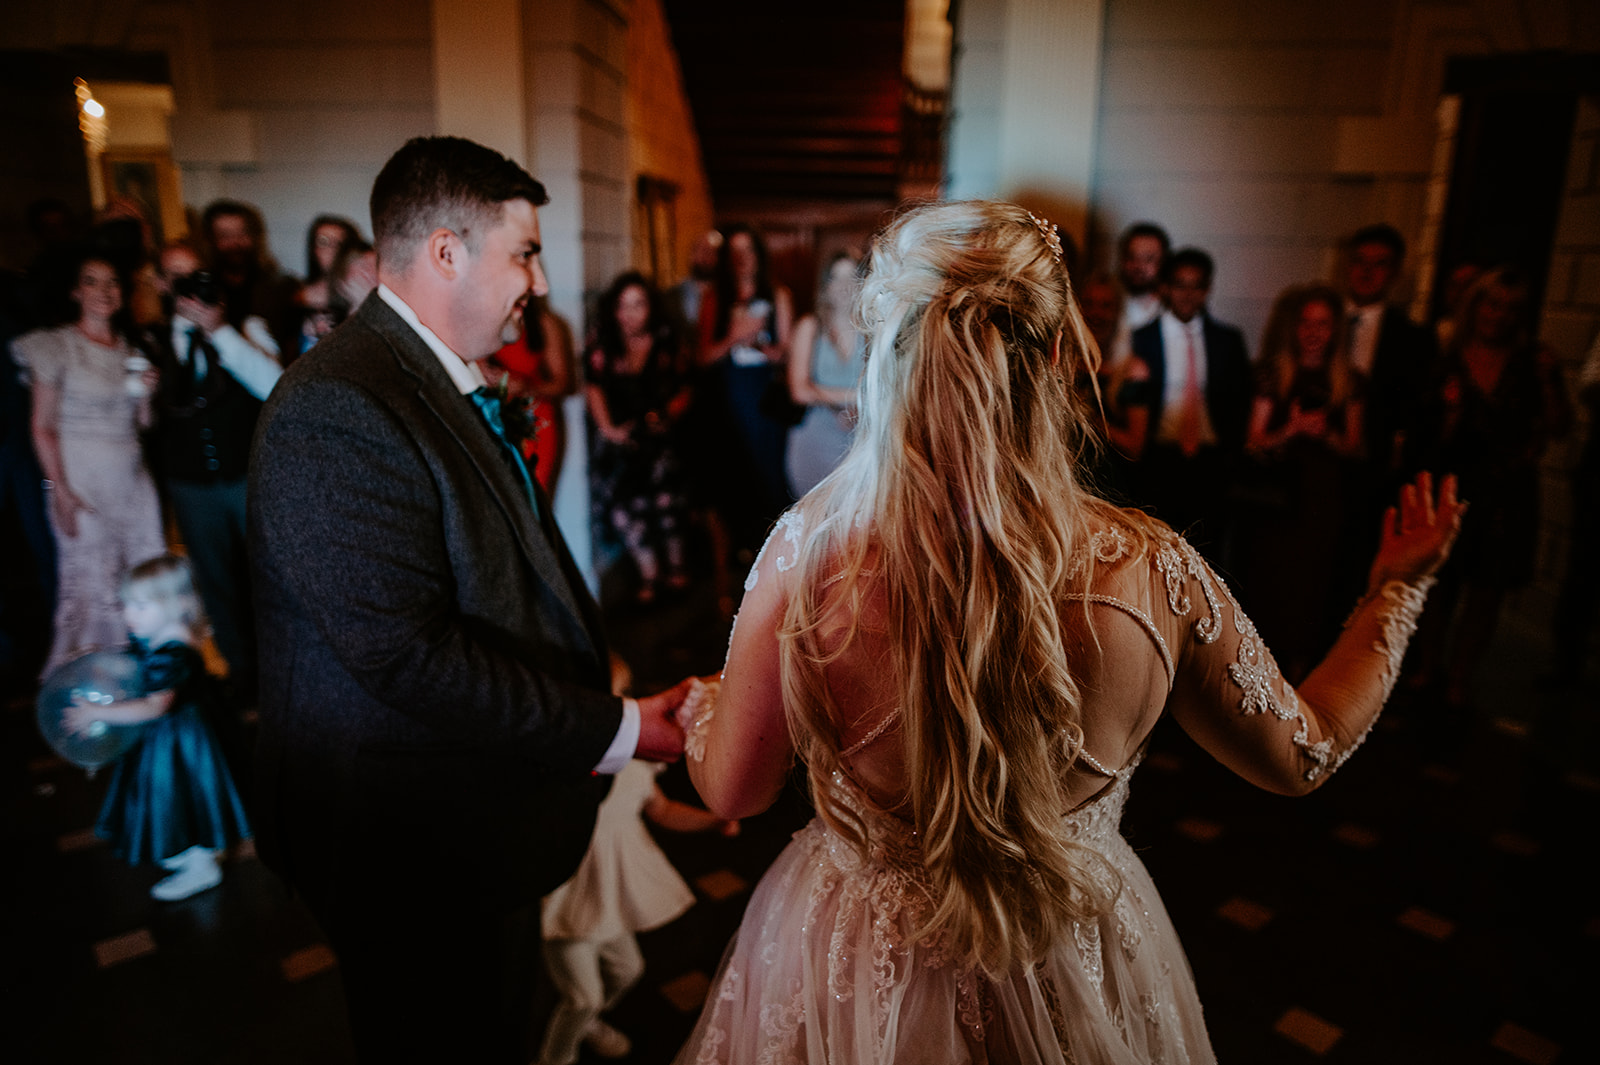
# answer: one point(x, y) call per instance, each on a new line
point(1051, 238)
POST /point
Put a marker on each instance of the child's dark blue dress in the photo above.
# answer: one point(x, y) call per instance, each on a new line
point(172, 790)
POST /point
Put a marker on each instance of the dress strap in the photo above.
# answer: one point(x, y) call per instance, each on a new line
point(1144, 622)
point(1093, 763)
point(889, 719)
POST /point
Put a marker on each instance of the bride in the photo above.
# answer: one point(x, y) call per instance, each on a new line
point(968, 650)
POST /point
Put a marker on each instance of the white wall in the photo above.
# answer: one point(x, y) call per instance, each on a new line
point(1221, 121)
point(1264, 130)
point(302, 104)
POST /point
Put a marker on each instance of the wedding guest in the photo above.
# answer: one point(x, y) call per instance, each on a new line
point(1305, 434)
point(1499, 403)
point(234, 242)
point(217, 371)
point(824, 369)
point(536, 372)
point(1142, 252)
point(685, 298)
point(328, 236)
point(637, 392)
point(352, 278)
point(171, 800)
point(1455, 286)
point(1395, 358)
point(1100, 300)
point(745, 326)
point(1113, 389)
point(91, 399)
point(1197, 397)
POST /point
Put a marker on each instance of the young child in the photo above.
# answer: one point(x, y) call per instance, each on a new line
point(625, 885)
point(171, 799)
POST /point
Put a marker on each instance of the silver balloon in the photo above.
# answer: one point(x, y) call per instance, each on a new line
point(102, 677)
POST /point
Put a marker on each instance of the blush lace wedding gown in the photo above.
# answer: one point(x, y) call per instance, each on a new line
point(825, 967)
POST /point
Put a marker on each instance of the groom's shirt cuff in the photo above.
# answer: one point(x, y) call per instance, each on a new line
point(620, 753)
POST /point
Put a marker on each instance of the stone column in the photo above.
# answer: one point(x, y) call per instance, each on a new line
point(545, 82)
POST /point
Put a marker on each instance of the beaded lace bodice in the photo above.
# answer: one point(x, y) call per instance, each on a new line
point(829, 965)
point(1202, 626)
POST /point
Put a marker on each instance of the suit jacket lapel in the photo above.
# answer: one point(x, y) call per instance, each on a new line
point(542, 545)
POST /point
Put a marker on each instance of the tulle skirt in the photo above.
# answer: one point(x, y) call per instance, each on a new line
point(172, 791)
point(823, 969)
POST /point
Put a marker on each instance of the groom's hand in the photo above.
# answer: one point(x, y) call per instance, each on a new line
point(660, 736)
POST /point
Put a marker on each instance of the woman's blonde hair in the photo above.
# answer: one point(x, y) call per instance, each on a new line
point(1515, 284)
point(167, 579)
point(1280, 345)
point(962, 488)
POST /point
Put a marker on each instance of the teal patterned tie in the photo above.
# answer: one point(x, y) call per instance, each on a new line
point(488, 401)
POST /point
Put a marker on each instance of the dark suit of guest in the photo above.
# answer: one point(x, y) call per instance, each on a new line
point(1403, 363)
point(1397, 433)
point(434, 690)
point(210, 398)
point(1190, 492)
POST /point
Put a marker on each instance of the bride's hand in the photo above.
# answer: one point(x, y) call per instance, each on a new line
point(1418, 535)
point(660, 735)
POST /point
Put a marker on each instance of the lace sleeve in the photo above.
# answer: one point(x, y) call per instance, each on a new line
point(1232, 698)
point(789, 527)
point(737, 738)
point(695, 715)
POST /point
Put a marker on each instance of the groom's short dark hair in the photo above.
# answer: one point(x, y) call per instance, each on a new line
point(447, 182)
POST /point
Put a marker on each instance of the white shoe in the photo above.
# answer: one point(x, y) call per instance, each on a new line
point(606, 1041)
point(197, 871)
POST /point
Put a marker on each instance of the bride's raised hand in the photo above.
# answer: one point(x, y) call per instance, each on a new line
point(1418, 534)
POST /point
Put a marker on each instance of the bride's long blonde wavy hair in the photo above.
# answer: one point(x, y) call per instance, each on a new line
point(960, 499)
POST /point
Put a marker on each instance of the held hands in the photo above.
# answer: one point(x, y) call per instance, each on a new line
point(1418, 535)
point(660, 735)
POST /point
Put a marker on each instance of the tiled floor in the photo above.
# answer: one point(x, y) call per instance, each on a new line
point(1434, 903)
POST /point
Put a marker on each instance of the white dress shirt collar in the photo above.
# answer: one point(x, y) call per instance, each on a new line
point(466, 375)
point(1362, 342)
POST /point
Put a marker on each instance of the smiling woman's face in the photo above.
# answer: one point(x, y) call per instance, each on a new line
point(1314, 332)
point(98, 292)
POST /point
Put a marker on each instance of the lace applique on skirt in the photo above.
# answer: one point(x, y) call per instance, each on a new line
point(826, 969)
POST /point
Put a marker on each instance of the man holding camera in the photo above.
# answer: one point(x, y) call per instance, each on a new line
point(215, 377)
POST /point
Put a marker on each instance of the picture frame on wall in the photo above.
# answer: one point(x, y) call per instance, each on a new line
point(148, 179)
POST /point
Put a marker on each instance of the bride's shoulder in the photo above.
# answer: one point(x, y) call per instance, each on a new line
point(782, 548)
point(1117, 537)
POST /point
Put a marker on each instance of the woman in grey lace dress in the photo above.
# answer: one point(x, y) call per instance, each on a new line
point(91, 397)
point(968, 651)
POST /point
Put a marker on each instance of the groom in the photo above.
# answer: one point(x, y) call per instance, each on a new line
point(437, 727)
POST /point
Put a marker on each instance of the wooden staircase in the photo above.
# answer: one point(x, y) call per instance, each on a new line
point(794, 103)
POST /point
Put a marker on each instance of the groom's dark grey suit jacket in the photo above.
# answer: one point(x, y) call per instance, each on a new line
point(434, 677)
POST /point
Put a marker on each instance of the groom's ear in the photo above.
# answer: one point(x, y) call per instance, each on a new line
point(445, 253)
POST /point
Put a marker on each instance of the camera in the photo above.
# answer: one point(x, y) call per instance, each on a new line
point(202, 285)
